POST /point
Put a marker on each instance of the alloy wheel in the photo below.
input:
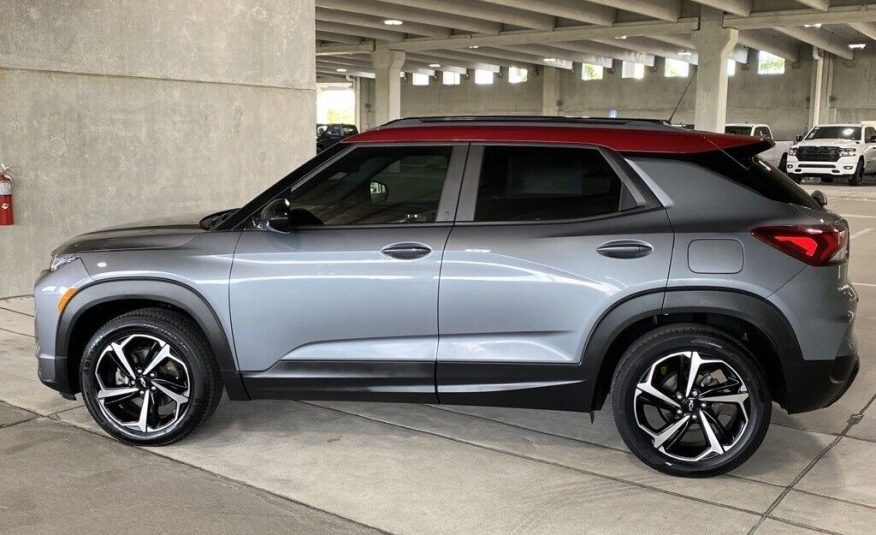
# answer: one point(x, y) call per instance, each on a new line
point(692, 408)
point(141, 386)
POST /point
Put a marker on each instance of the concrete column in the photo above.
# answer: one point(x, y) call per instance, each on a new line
point(714, 45)
point(387, 84)
point(822, 86)
point(550, 91)
point(116, 112)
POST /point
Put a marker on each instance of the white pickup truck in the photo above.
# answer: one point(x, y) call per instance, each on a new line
point(776, 155)
point(846, 151)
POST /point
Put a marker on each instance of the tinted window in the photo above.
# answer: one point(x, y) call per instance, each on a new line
point(374, 186)
point(762, 132)
point(756, 174)
point(738, 130)
point(349, 130)
point(545, 183)
point(869, 132)
point(835, 132)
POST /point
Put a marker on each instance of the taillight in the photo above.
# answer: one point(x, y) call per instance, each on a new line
point(817, 245)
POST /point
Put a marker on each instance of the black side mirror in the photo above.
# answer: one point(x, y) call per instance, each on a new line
point(275, 216)
point(798, 139)
point(820, 197)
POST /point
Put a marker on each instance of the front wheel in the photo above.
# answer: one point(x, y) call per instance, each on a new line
point(149, 378)
point(858, 178)
point(690, 401)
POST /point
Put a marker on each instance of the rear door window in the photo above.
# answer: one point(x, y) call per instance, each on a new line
point(545, 183)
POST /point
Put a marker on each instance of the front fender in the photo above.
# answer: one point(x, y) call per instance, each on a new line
point(160, 291)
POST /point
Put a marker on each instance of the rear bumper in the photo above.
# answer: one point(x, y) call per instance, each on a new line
point(815, 384)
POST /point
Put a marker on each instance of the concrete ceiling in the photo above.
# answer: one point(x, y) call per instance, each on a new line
point(465, 34)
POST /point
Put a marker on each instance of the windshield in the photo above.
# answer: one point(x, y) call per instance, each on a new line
point(738, 130)
point(835, 132)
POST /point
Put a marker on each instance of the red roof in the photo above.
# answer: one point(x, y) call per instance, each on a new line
point(645, 140)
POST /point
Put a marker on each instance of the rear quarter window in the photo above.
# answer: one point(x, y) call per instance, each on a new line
point(749, 172)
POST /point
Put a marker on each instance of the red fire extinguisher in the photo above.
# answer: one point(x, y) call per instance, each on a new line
point(5, 196)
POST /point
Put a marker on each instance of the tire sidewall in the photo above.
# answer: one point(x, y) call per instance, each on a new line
point(636, 363)
point(183, 347)
point(858, 178)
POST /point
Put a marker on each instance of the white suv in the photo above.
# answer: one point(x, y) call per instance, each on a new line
point(846, 151)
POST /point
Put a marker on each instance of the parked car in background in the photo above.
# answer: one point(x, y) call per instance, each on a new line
point(332, 133)
point(777, 155)
point(835, 151)
point(531, 262)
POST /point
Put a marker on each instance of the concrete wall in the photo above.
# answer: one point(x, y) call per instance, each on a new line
point(113, 111)
point(781, 101)
point(853, 96)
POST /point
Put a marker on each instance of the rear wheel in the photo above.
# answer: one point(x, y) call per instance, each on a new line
point(690, 401)
point(858, 178)
point(148, 377)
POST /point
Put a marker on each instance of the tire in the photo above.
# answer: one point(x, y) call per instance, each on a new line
point(655, 362)
point(858, 178)
point(827, 179)
point(167, 361)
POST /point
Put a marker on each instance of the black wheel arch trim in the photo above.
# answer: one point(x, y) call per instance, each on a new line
point(737, 304)
point(167, 291)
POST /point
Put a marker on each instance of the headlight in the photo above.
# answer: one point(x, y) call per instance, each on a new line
point(848, 152)
point(60, 260)
point(792, 151)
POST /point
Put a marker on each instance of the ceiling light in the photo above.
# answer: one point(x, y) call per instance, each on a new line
point(341, 70)
point(434, 65)
point(393, 22)
point(550, 60)
point(474, 46)
point(684, 53)
point(857, 45)
point(621, 37)
point(812, 25)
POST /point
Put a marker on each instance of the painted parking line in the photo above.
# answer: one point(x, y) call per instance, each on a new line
point(867, 284)
point(860, 216)
point(861, 232)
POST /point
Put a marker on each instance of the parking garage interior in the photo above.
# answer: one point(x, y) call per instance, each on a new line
point(112, 112)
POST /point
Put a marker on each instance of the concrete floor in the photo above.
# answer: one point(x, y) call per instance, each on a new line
point(352, 467)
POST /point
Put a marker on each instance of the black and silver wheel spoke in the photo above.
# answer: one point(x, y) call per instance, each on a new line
point(691, 407)
point(141, 385)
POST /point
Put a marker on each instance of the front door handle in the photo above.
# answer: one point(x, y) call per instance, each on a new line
point(625, 249)
point(406, 251)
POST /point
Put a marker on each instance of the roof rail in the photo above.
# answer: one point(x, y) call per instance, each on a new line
point(542, 119)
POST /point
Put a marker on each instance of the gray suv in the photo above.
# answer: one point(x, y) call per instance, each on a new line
point(511, 261)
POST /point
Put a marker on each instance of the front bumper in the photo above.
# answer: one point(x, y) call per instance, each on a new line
point(816, 384)
point(52, 368)
point(845, 166)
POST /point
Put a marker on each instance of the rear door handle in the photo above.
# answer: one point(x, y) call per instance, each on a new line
point(625, 249)
point(406, 251)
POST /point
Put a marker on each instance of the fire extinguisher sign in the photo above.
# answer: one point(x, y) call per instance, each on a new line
point(5, 196)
